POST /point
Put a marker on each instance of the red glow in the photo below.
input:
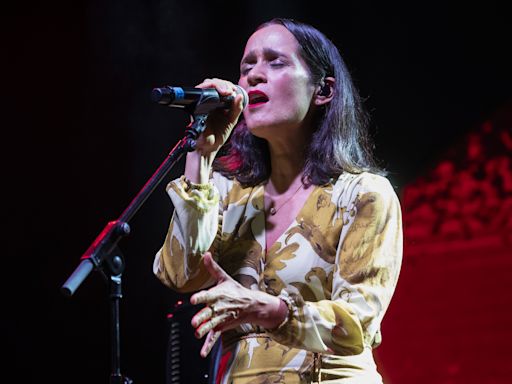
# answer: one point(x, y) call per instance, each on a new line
point(450, 317)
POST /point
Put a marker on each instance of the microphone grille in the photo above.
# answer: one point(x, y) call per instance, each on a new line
point(245, 95)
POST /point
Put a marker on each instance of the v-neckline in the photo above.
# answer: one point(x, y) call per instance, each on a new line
point(293, 221)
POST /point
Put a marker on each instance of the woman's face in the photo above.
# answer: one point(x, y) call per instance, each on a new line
point(278, 83)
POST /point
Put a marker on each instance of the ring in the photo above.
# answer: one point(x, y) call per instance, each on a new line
point(235, 314)
point(213, 309)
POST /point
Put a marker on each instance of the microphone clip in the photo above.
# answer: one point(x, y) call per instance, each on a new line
point(194, 129)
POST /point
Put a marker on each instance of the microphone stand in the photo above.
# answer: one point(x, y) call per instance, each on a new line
point(104, 256)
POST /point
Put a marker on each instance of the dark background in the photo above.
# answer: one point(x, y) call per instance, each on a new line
point(83, 137)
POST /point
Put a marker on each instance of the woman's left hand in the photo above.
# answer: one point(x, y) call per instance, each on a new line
point(229, 304)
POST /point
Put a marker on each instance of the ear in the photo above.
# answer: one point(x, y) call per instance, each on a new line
point(325, 91)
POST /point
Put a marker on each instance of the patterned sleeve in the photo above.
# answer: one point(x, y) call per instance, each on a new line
point(368, 261)
point(192, 231)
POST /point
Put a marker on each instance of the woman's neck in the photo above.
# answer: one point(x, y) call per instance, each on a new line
point(287, 164)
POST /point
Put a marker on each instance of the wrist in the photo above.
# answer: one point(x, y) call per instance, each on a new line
point(283, 314)
point(198, 167)
point(274, 314)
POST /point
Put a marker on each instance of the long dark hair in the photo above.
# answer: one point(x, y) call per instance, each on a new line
point(340, 143)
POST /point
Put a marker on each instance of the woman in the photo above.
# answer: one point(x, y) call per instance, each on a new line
point(291, 237)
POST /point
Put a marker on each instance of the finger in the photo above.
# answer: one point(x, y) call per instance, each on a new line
point(225, 304)
point(215, 321)
point(210, 341)
point(224, 87)
point(215, 270)
point(204, 83)
point(231, 323)
point(202, 297)
point(203, 315)
point(234, 112)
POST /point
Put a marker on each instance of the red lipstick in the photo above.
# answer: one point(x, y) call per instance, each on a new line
point(257, 98)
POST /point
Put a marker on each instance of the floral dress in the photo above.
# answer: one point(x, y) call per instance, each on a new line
point(336, 266)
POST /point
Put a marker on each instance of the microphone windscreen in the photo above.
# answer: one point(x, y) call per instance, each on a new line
point(244, 93)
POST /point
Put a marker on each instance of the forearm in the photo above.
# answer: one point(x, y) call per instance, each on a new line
point(192, 231)
point(198, 167)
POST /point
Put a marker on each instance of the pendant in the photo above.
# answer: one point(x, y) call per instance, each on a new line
point(272, 211)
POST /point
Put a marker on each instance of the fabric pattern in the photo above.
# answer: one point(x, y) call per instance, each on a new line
point(337, 264)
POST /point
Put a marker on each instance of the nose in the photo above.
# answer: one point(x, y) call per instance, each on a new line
point(256, 75)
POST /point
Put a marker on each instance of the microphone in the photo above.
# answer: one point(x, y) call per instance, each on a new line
point(188, 97)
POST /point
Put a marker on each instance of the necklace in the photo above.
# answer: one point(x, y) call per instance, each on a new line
point(273, 210)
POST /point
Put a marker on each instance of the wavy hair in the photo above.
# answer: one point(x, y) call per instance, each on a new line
point(340, 142)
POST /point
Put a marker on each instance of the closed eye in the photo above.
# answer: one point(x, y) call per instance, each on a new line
point(276, 63)
point(244, 70)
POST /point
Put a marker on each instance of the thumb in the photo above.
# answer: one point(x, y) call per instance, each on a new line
point(213, 268)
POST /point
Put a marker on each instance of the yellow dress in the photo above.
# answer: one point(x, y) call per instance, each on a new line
point(337, 265)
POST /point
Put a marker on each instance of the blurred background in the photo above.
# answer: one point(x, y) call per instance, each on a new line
point(83, 137)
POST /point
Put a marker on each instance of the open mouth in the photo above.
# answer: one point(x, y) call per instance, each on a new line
point(257, 98)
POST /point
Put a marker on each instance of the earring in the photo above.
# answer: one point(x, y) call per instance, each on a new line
point(325, 90)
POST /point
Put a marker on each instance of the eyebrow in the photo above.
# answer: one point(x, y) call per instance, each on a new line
point(266, 52)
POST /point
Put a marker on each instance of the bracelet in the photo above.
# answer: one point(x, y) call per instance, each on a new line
point(191, 185)
point(289, 305)
point(201, 197)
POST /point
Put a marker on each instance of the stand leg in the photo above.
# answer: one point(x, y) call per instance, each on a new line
point(115, 296)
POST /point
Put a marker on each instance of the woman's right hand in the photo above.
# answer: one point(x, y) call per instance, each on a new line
point(219, 123)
